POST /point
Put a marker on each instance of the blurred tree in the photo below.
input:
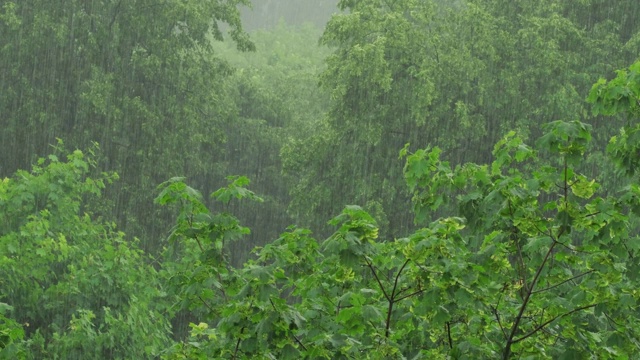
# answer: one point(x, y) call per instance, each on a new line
point(455, 74)
point(137, 76)
point(277, 100)
point(533, 263)
point(265, 14)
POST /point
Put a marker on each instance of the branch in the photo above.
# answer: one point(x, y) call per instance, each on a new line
point(552, 320)
point(562, 282)
point(495, 312)
point(402, 290)
point(206, 304)
point(410, 295)
point(224, 293)
point(395, 284)
point(525, 302)
point(377, 279)
point(294, 336)
point(195, 236)
point(235, 352)
point(299, 342)
point(392, 300)
point(449, 335)
point(273, 305)
point(610, 319)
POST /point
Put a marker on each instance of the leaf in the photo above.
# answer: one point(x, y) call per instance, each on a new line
point(534, 244)
point(584, 189)
point(566, 221)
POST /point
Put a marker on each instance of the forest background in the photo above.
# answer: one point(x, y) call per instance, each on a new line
point(500, 249)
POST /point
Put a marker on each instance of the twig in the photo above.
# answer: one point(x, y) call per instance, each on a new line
point(539, 327)
point(525, 302)
point(562, 282)
point(392, 299)
point(384, 292)
point(410, 295)
point(294, 336)
point(495, 312)
point(235, 352)
point(206, 304)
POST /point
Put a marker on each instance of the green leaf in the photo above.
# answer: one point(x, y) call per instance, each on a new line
point(534, 244)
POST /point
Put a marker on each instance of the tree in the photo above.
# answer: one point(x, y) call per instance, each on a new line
point(77, 288)
point(532, 262)
point(458, 75)
point(139, 77)
point(278, 101)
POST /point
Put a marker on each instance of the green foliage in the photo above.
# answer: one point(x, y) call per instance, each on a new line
point(522, 251)
point(11, 335)
point(78, 287)
point(456, 75)
point(196, 268)
point(137, 76)
point(551, 240)
point(534, 263)
point(621, 95)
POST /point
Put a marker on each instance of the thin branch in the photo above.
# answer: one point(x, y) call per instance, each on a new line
point(273, 305)
point(195, 236)
point(566, 181)
point(610, 319)
point(402, 290)
point(495, 312)
point(525, 302)
point(566, 246)
point(294, 336)
point(410, 295)
point(539, 327)
point(539, 230)
point(377, 279)
point(562, 282)
point(299, 342)
point(395, 284)
point(511, 340)
point(206, 304)
point(235, 352)
point(392, 299)
point(224, 294)
point(373, 326)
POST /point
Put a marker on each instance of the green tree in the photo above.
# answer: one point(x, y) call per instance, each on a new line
point(277, 98)
point(535, 260)
point(139, 77)
point(11, 335)
point(532, 263)
point(78, 288)
point(455, 74)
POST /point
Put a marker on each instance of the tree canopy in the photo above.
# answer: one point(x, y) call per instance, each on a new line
point(416, 180)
